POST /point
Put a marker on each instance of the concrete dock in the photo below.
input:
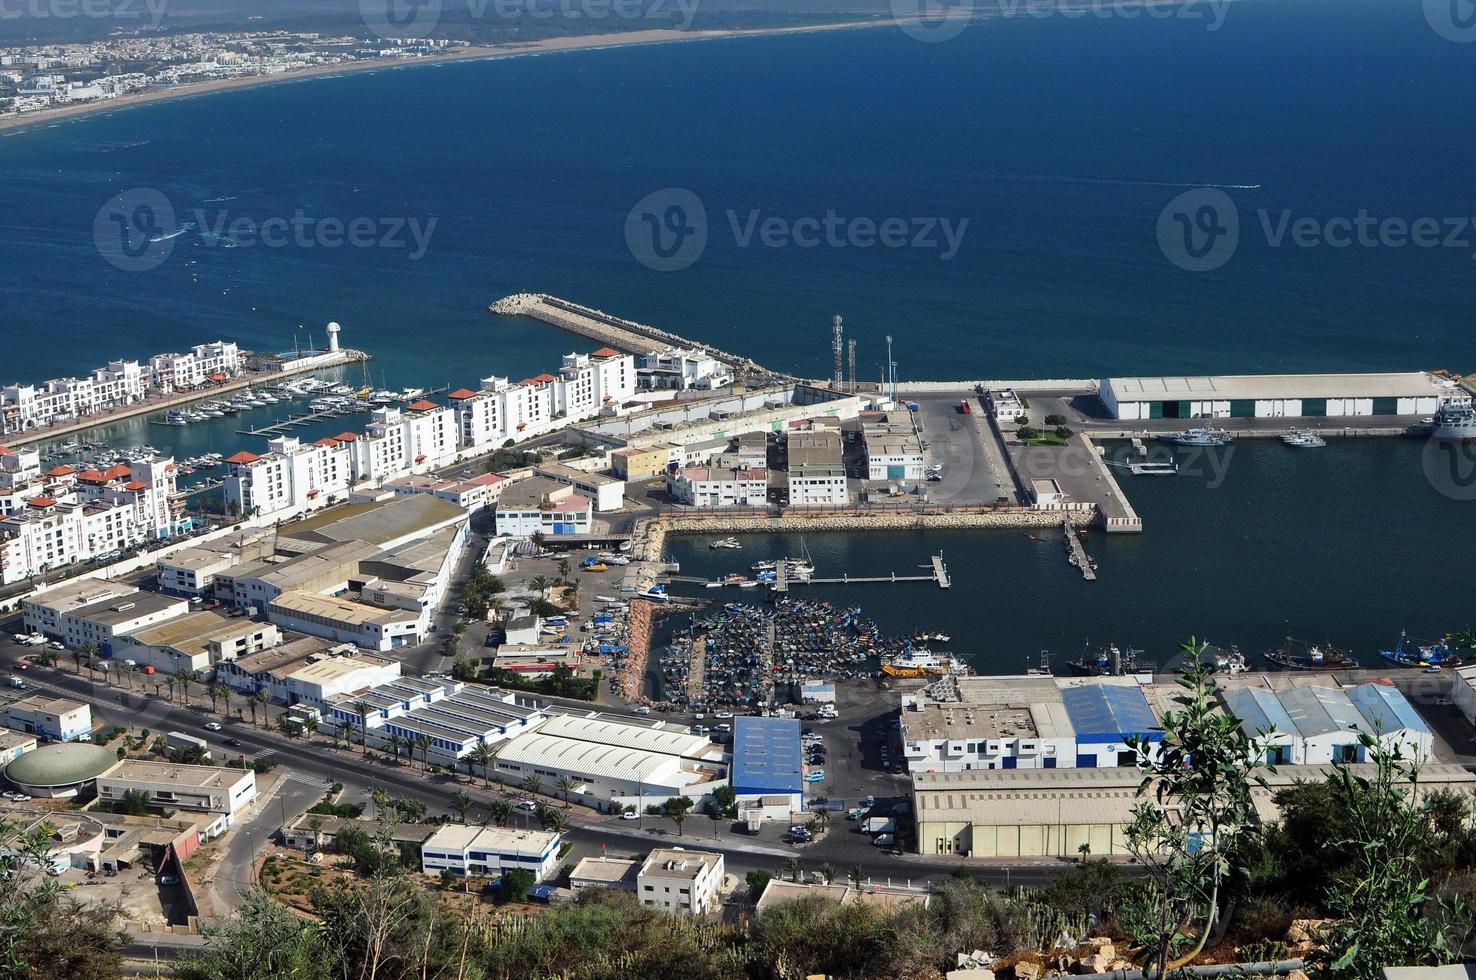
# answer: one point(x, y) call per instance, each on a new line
point(1078, 551)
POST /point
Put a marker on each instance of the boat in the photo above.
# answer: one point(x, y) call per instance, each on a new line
point(921, 663)
point(1428, 655)
point(763, 566)
point(176, 417)
point(609, 559)
point(926, 637)
point(725, 543)
point(1456, 419)
point(1107, 662)
point(1304, 440)
point(1154, 468)
point(1226, 660)
point(383, 397)
point(608, 598)
point(1295, 655)
point(1196, 437)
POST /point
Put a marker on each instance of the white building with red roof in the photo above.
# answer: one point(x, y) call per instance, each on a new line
point(291, 478)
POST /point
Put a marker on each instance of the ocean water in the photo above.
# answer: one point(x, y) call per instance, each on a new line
point(1059, 141)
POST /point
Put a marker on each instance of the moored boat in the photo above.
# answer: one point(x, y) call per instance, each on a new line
point(1296, 655)
point(1110, 661)
point(1196, 437)
point(1304, 440)
point(1421, 655)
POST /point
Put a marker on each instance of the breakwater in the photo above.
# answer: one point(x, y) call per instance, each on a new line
point(627, 335)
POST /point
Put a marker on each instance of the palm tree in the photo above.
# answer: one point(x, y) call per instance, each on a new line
point(822, 817)
point(462, 804)
point(534, 783)
point(540, 585)
point(500, 811)
point(315, 824)
point(224, 692)
point(171, 681)
point(484, 755)
point(796, 870)
point(827, 871)
point(1085, 850)
point(566, 786)
point(361, 707)
point(857, 876)
point(262, 698)
point(185, 676)
point(252, 703)
point(555, 820)
point(380, 799)
point(423, 743)
point(564, 569)
point(395, 743)
point(213, 690)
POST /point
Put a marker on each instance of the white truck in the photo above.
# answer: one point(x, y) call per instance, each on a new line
point(879, 825)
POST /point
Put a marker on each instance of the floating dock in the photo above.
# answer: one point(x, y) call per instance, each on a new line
point(1078, 551)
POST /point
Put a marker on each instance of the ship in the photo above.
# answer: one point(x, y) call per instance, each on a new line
point(1304, 440)
point(1428, 655)
point(921, 663)
point(1456, 420)
point(1295, 655)
point(1107, 662)
point(1226, 660)
point(1197, 437)
point(725, 543)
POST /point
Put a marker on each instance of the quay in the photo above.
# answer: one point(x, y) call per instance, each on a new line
point(783, 579)
point(150, 405)
point(1078, 552)
point(626, 335)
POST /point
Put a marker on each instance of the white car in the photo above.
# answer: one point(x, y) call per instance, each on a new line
point(212, 726)
point(526, 805)
point(642, 710)
point(630, 815)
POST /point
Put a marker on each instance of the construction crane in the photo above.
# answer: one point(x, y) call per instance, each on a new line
point(835, 346)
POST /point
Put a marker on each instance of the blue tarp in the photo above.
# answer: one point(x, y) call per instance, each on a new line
point(766, 755)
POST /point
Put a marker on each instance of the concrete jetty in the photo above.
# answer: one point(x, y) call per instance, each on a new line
point(1078, 551)
point(622, 334)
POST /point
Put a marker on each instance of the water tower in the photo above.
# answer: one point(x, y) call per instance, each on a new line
point(333, 329)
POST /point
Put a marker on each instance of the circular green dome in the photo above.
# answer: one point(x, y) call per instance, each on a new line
point(62, 764)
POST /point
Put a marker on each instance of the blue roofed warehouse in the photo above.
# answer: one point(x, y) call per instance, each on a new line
point(1105, 716)
point(766, 771)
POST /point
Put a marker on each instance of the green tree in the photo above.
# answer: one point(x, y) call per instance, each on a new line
point(361, 708)
point(534, 784)
point(757, 880)
point(725, 797)
point(1385, 912)
point(1202, 771)
point(500, 811)
point(676, 809)
point(462, 804)
point(185, 677)
point(515, 884)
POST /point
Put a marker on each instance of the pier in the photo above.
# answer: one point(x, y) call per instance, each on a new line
point(1078, 551)
point(308, 418)
point(783, 579)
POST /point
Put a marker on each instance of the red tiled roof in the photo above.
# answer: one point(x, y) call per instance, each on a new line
point(6, 451)
point(42, 502)
point(463, 393)
point(346, 437)
point(243, 457)
point(116, 472)
point(60, 471)
point(91, 476)
point(328, 441)
point(423, 406)
point(136, 485)
point(544, 378)
point(606, 352)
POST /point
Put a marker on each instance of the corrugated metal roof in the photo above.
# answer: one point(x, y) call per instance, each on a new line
point(1386, 708)
point(1102, 709)
point(1320, 711)
point(1259, 712)
point(766, 755)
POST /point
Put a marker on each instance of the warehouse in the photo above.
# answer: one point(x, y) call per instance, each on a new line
point(615, 762)
point(1274, 396)
point(345, 621)
point(446, 719)
point(1263, 719)
point(1105, 715)
point(463, 850)
point(767, 766)
point(224, 792)
point(196, 641)
point(999, 723)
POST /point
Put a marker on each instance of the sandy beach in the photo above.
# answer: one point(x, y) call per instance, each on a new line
point(552, 45)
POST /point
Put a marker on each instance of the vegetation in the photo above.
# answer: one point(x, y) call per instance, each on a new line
point(561, 683)
point(481, 586)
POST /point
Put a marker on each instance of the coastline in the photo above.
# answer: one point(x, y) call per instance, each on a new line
point(15, 124)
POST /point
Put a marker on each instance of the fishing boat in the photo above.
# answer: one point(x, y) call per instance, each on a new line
point(1428, 655)
point(1110, 661)
point(1295, 655)
point(725, 543)
point(921, 663)
point(921, 637)
point(1304, 440)
point(1226, 659)
point(1196, 437)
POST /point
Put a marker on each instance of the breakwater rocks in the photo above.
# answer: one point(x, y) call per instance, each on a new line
point(630, 675)
point(649, 537)
point(610, 329)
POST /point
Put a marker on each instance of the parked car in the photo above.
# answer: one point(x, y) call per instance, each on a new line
point(168, 880)
point(630, 815)
point(884, 840)
point(641, 710)
point(818, 776)
point(22, 665)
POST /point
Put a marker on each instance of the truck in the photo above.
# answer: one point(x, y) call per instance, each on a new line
point(965, 408)
point(879, 825)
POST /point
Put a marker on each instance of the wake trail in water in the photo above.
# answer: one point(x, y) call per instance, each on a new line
point(1066, 179)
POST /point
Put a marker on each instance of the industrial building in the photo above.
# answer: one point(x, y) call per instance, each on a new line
point(59, 771)
point(705, 486)
point(893, 449)
point(606, 492)
point(13, 745)
point(208, 789)
point(1274, 396)
point(43, 612)
point(106, 622)
point(1105, 717)
point(767, 767)
point(343, 620)
point(614, 762)
point(466, 850)
point(1319, 722)
point(539, 505)
point(817, 471)
point(681, 882)
point(196, 641)
point(616, 874)
point(50, 719)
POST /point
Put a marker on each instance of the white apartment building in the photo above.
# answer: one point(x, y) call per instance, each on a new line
point(420, 438)
point(681, 882)
point(682, 368)
point(216, 361)
point(290, 478)
point(209, 789)
point(540, 506)
point(701, 486)
point(467, 850)
point(25, 407)
point(191, 571)
point(589, 382)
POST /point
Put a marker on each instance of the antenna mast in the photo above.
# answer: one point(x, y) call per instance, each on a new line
point(835, 348)
point(851, 353)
